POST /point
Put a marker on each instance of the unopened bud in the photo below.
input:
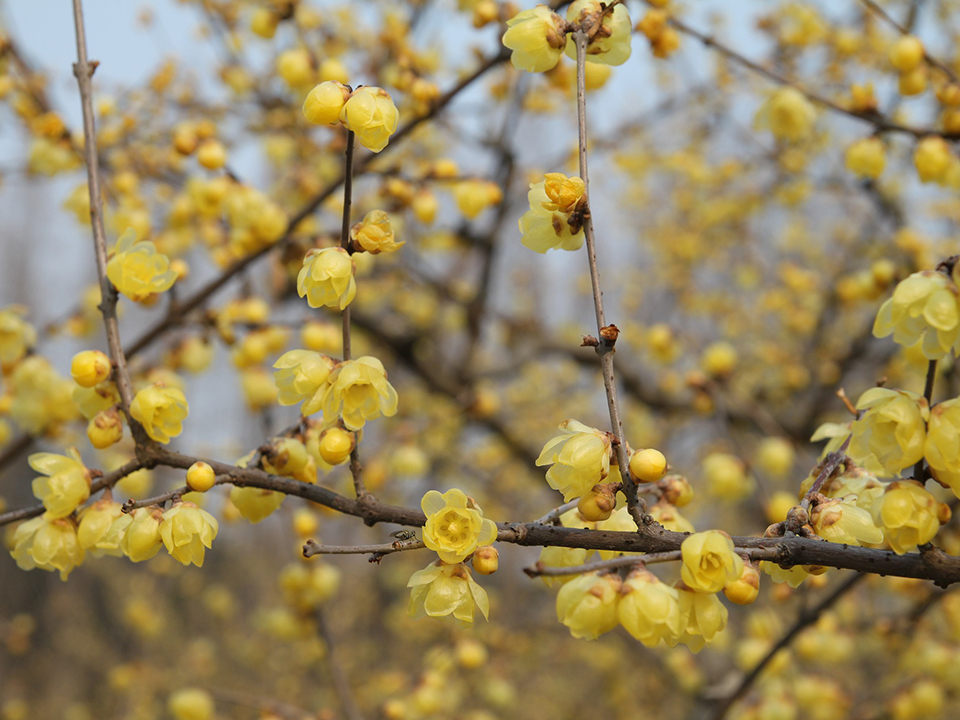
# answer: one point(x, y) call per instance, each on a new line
point(486, 560)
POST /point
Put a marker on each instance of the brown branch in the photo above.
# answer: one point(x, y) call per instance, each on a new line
point(607, 334)
point(311, 548)
point(83, 69)
point(805, 619)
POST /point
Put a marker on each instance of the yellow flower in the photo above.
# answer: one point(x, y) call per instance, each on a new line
point(325, 102)
point(16, 335)
point(371, 114)
point(942, 450)
point(65, 483)
point(92, 401)
point(440, 590)
point(702, 616)
point(579, 459)
point(866, 157)
point(745, 589)
point(892, 430)
point(923, 310)
point(907, 513)
point(289, 457)
point(933, 159)
point(161, 410)
point(588, 604)
point(727, 477)
point(40, 396)
point(611, 44)
point(140, 533)
point(187, 531)
point(191, 704)
point(326, 278)
point(841, 521)
point(475, 196)
point(90, 368)
point(137, 270)
point(255, 504)
point(906, 53)
point(48, 545)
point(787, 114)
point(455, 525)
point(302, 375)
point(536, 38)
point(555, 556)
point(709, 561)
point(94, 533)
point(374, 233)
point(359, 391)
point(649, 609)
point(792, 576)
point(543, 228)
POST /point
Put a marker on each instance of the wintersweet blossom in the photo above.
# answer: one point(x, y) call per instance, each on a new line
point(536, 38)
point(709, 561)
point(579, 458)
point(326, 278)
point(47, 544)
point(64, 483)
point(702, 617)
point(187, 531)
point(370, 113)
point(455, 525)
point(892, 429)
point(440, 589)
point(588, 604)
point(839, 520)
point(137, 270)
point(923, 311)
point(161, 410)
point(302, 375)
point(787, 114)
point(554, 220)
point(649, 609)
point(907, 514)
point(941, 450)
point(374, 233)
point(610, 45)
point(324, 103)
point(140, 539)
point(359, 391)
point(16, 334)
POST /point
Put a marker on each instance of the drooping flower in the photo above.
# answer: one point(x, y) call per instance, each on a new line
point(64, 484)
point(588, 604)
point(611, 43)
point(536, 38)
point(892, 429)
point(649, 609)
point(907, 514)
point(359, 391)
point(922, 311)
point(709, 561)
point(702, 616)
point(441, 589)
point(137, 270)
point(302, 375)
point(370, 113)
point(93, 532)
point(455, 525)
point(326, 278)
point(161, 410)
point(553, 221)
point(47, 544)
point(16, 334)
point(255, 504)
point(578, 459)
point(140, 533)
point(187, 531)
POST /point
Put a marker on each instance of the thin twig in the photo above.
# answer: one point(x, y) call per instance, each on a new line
point(802, 622)
point(83, 69)
point(554, 515)
point(920, 469)
point(607, 335)
point(311, 548)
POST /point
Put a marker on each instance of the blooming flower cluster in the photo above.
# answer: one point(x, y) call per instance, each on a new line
point(554, 219)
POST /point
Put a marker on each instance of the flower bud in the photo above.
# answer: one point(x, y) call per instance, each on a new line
point(906, 54)
point(105, 429)
point(212, 155)
point(200, 477)
point(676, 490)
point(336, 444)
point(648, 465)
point(324, 103)
point(90, 368)
point(744, 589)
point(486, 560)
